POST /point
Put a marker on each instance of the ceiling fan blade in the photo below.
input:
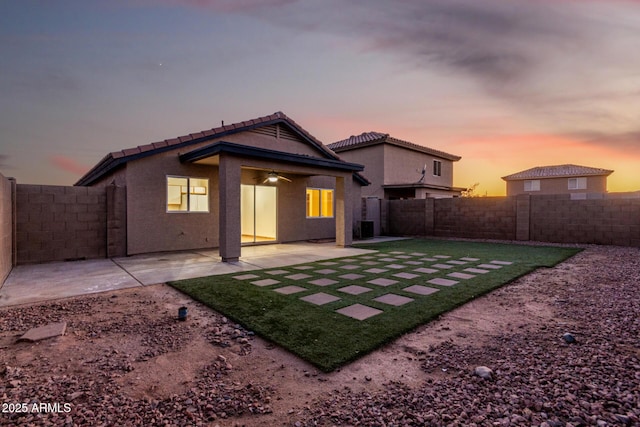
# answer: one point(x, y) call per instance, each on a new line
point(284, 178)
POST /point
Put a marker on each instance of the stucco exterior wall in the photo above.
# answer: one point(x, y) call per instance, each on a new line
point(402, 166)
point(6, 227)
point(372, 158)
point(595, 184)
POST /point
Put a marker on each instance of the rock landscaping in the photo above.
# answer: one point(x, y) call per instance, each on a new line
point(505, 359)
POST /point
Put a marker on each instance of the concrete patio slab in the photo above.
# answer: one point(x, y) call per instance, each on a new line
point(288, 290)
point(354, 290)
point(323, 282)
point(393, 299)
point(420, 290)
point(320, 298)
point(461, 275)
point(382, 282)
point(265, 282)
point(442, 282)
point(359, 311)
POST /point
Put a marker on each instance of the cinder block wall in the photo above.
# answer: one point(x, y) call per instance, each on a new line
point(608, 221)
point(58, 223)
point(479, 218)
point(6, 227)
point(544, 218)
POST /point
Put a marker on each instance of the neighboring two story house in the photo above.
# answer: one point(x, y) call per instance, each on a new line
point(578, 181)
point(399, 169)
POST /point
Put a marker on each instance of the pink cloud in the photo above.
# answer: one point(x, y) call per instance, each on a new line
point(234, 6)
point(68, 164)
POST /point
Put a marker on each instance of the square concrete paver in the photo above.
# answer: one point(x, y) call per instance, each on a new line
point(421, 290)
point(274, 272)
point(425, 270)
point(354, 290)
point(298, 276)
point(456, 262)
point(476, 270)
point(349, 260)
point(396, 252)
point(388, 259)
point(376, 270)
point(404, 256)
point(288, 290)
point(417, 254)
point(461, 275)
point(350, 267)
point(382, 282)
point(442, 282)
point(246, 277)
point(405, 275)
point(413, 262)
point(490, 266)
point(393, 299)
point(444, 266)
point(359, 311)
point(265, 282)
point(470, 259)
point(351, 276)
point(303, 267)
point(501, 262)
point(370, 263)
point(323, 282)
point(395, 266)
point(325, 271)
point(327, 263)
point(320, 298)
point(428, 259)
point(442, 256)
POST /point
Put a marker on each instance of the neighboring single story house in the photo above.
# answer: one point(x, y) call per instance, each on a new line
point(578, 181)
point(399, 169)
point(258, 181)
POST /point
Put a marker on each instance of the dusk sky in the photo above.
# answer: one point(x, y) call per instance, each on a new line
point(506, 84)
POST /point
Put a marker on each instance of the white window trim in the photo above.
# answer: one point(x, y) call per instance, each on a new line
point(579, 183)
point(437, 167)
point(193, 190)
point(534, 185)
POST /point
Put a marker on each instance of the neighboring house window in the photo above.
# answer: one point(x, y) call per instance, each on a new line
point(186, 194)
point(577, 183)
point(437, 168)
point(532, 185)
point(319, 203)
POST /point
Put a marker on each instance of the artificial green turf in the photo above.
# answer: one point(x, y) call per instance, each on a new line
point(328, 339)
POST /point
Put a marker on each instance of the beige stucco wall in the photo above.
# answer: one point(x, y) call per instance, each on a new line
point(150, 228)
point(372, 158)
point(595, 184)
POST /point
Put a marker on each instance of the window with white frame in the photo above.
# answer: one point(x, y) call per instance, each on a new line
point(185, 194)
point(532, 185)
point(437, 168)
point(577, 183)
point(319, 203)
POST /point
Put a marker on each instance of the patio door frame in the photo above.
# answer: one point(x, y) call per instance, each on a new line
point(258, 210)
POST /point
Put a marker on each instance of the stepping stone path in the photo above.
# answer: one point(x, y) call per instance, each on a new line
point(349, 280)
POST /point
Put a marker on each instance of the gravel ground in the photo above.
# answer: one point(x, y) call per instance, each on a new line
point(126, 361)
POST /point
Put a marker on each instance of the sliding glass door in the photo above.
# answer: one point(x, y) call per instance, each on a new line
point(258, 213)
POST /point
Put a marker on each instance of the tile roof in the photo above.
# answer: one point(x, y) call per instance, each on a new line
point(557, 171)
point(117, 158)
point(373, 138)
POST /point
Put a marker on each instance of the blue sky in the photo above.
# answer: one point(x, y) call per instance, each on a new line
point(507, 85)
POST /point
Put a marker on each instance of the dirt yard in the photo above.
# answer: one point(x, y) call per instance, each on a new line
point(126, 360)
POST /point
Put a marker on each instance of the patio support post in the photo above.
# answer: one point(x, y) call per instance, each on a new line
point(344, 211)
point(229, 220)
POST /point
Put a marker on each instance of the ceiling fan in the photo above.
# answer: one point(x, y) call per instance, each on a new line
point(273, 177)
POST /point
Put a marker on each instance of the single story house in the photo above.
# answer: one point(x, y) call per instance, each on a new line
point(399, 169)
point(578, 181)
point(264, 180)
